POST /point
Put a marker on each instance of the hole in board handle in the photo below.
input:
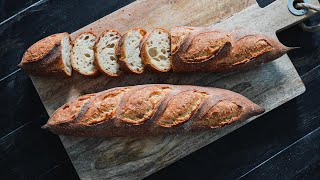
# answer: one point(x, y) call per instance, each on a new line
point(296, 11)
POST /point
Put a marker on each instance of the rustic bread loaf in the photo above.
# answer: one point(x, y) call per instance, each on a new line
point(105, 56)
point(150, 110)
point(128, 51)
point(198, 49)
point(82, 54)
point(49, 56)
point(192, 49)
point(155, 50)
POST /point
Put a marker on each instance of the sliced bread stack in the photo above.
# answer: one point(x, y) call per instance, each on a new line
point(110, 54)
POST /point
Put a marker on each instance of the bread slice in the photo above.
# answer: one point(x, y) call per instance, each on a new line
point(105, 56)
point(66, 47)
point(155, 51)
point(49, 56)
point(128, 51)
point(82, 54)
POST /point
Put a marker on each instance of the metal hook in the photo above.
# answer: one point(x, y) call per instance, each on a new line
point(293, 10)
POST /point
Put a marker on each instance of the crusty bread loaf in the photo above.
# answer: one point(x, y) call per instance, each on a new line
point(155, 50)
point(192, 49)
point(82, 54)
point(150, 110)
point(49, 56)
point(128, 51)
point(198, 49)
point(105, 56)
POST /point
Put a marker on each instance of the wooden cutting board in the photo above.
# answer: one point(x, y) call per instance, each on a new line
point(134, 158)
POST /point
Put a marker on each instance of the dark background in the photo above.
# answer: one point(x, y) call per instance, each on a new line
point(282, 144)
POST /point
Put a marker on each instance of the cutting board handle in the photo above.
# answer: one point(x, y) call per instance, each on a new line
point(279, 12)
point(268, 20)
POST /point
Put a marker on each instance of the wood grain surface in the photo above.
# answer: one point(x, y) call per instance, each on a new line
point(133, 158)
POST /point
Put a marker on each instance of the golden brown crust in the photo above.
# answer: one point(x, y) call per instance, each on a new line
point(220, 114)
point(207, 50)
point(97, 64)
point(151, 110)
point(44, 57)
point(120, 52)
point(141, 104)
point(103, 107)
point(178, 36)
point(70, 111)
point(96, 72)
point(202, 46)
point(144, 53)
point(181, 107)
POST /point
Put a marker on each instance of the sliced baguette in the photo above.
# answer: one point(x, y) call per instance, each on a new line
point(82, 55)
point(49, 56)
point(155, 51)
point(105, 57)
point(128, 51)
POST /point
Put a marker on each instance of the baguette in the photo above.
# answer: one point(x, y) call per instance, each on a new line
point(198, 49)
point(155, 51)
point(192, 49)
point(82, 54)
point(150, 110)
point(105, 57)
point(49, 56)
point(128, 51)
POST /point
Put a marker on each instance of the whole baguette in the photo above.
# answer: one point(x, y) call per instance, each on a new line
point(44, 58)
point(201, 49)
point(150, 110)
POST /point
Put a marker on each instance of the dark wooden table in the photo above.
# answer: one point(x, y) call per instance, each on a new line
point(283, 144)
